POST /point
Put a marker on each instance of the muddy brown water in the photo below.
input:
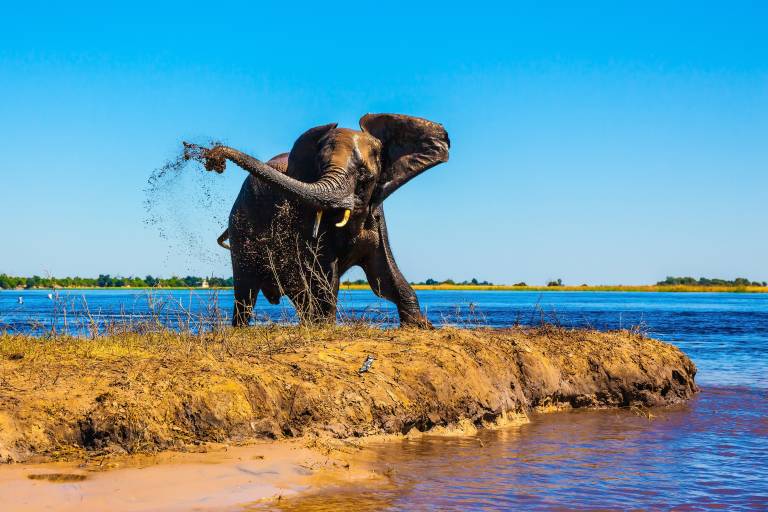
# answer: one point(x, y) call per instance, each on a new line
point(709, 453)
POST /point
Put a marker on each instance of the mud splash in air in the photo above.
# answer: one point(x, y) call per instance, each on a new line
point(187, 205)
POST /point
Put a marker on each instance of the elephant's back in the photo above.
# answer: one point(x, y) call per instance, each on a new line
point(279, 162)
point(262, 219)
point(258, 199)
point(255, 207)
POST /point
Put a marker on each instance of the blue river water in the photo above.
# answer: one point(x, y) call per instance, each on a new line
point(709, 453)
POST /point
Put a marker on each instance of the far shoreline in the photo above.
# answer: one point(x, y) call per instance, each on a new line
point(448, 287)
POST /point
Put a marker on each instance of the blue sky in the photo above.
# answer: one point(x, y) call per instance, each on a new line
point(614, 143)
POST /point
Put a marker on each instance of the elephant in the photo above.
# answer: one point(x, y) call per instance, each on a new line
point(302, 219)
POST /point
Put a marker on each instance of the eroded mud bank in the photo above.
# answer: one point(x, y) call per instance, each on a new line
point(65, 398)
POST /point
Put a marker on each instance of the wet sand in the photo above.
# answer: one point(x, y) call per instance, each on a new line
point(223, 478)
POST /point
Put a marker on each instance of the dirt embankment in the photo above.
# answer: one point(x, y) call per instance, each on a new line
point(64, 397)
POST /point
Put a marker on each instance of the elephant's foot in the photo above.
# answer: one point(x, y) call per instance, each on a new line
point(319, 318)
point(417, 321)
point(240, 321)
point(241, 316)
point(318, 321)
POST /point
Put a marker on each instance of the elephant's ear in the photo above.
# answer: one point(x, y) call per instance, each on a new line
point(410, 146)
point(302, 160)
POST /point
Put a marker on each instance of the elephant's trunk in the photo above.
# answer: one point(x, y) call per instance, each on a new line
point(333, 190)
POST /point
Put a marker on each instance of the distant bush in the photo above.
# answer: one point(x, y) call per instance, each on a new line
point(451, 282)
point(475, 282)
point(521, 283)
point(559, 282)
point(357, 281)
point(703, 281)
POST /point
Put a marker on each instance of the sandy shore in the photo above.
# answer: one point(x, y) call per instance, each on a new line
point(221, 478)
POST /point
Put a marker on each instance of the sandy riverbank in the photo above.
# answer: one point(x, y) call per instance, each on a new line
point(65, 398)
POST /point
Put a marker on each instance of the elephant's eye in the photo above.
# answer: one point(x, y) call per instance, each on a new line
point(364, 173)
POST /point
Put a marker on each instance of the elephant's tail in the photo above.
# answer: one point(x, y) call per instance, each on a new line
point(223, 238)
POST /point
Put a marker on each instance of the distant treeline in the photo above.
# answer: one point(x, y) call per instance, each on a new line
point(703, 281)
point(431, 282)
point(107, 281)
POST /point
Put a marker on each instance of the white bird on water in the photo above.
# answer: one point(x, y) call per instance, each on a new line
point(21, 300)
point(50, 296)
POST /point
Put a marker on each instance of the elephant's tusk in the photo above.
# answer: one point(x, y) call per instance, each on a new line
point(344, 220)
point(318, 216)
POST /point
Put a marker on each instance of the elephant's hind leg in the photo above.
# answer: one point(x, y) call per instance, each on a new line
point(246, 291)
point(241, 316)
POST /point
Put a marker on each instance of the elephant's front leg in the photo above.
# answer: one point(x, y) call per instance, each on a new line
point(316, 298)
point(388, 282)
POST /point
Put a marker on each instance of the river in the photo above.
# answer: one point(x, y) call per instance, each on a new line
point(711, 452)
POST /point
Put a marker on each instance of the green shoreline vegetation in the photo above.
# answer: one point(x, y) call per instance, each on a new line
point(106, 281)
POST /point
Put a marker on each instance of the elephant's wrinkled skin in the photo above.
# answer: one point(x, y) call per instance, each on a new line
point(303, 219)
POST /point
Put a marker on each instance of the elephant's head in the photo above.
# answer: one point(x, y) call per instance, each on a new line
point(356, 170)
point(349, 171)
